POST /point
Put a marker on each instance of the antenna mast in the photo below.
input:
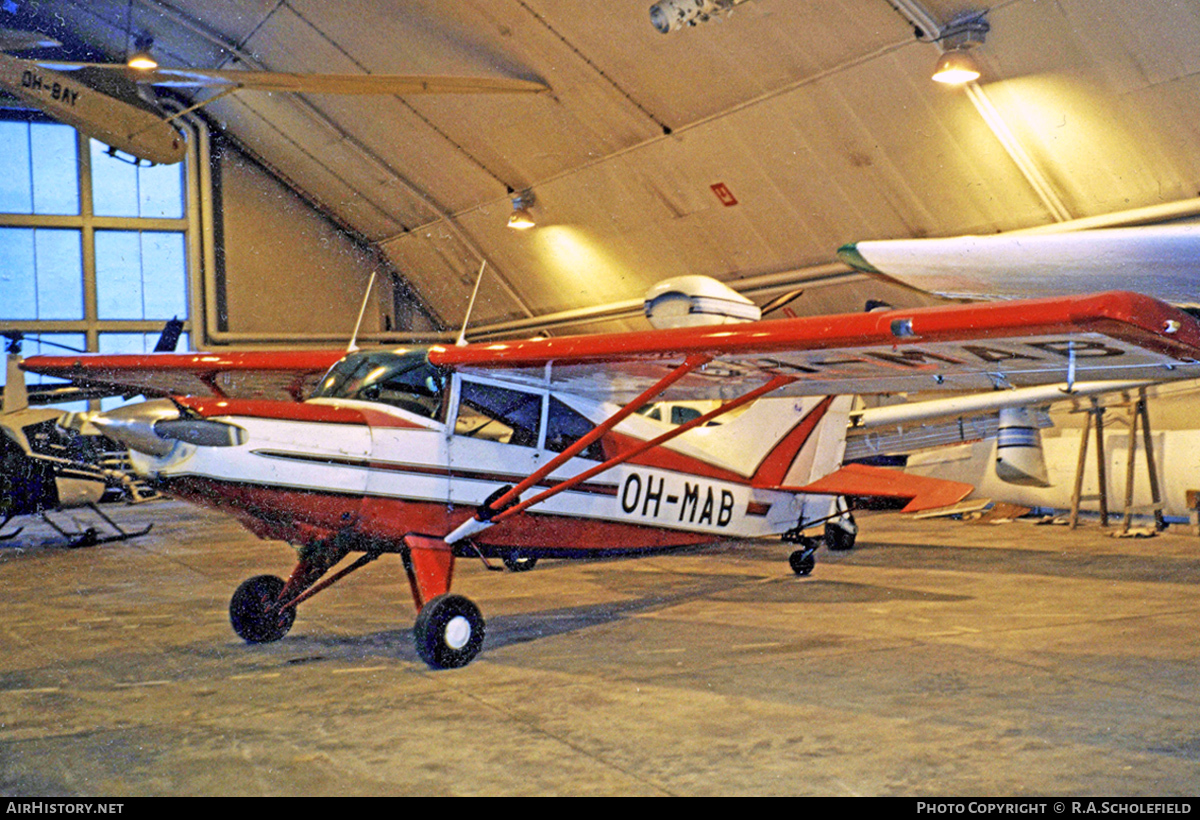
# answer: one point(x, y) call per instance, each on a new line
point(362, 310)
point(462, 334)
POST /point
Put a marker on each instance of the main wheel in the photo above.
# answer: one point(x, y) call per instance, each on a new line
point(518, 563)
point(448, 631)
point(838, 538)
point(253, 612)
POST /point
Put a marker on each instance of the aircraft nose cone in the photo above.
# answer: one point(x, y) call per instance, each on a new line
point(133, 425)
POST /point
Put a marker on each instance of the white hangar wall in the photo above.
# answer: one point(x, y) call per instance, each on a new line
point(284, 271)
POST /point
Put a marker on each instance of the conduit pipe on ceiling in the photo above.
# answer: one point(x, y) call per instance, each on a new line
point(1149, 215)
point(925, 23)
point(816, 275)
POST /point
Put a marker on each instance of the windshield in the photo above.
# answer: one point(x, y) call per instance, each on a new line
point(400, 378)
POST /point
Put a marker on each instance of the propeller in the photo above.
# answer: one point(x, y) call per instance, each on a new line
point(781, 300)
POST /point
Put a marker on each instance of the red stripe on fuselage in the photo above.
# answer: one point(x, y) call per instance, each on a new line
point(292, 411)
point(773, 469)
point(308, 517)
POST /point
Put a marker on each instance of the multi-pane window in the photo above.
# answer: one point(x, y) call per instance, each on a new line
point(93, 248)
point(123, 189)
point(41, 273)
point(39, 169)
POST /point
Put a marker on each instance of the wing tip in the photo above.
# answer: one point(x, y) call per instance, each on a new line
point(852, 256)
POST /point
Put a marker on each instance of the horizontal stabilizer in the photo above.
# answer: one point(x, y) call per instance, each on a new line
point(860, 479)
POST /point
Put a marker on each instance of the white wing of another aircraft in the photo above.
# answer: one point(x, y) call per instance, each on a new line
point(1158, 260)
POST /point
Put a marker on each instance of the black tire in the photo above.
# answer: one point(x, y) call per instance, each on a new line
point(448, 632)
point(802, 562)
point(839, 539)
point(518, 563)
point(252, 610)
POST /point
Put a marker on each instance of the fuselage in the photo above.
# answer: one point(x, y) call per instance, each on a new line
point(399, 446)
point(109, 109)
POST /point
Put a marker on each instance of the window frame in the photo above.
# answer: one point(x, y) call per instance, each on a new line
point(456, 400)
point(195, 184)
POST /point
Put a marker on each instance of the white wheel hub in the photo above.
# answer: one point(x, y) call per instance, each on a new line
point(457, 632)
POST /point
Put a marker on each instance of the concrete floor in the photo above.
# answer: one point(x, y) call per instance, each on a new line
point(936, 658)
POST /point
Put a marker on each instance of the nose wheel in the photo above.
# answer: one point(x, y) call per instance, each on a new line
point(448, 631)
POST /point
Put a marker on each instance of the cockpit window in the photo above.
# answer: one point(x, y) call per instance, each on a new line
point(401, 379)
point(565, 427)
point(499, 414)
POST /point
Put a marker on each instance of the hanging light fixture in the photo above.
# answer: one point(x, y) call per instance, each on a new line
point(956, 65)
point(141, 58)
point(521, 218)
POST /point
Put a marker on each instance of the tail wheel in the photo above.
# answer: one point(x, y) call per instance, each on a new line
point(254, 613)
point(802, 562)
point(448, 631)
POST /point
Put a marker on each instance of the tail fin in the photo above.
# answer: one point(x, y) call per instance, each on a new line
point(812, 449)
point(169, 338)
point(776, 441)
point(16, 397)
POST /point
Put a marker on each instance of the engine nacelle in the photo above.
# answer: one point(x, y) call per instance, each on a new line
point(1019, 458)
point(693, 301)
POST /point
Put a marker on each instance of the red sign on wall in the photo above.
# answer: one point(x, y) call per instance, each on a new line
point(724, 194)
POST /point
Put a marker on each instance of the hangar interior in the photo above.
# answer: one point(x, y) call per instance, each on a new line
point(748, 144)
point(748, 148)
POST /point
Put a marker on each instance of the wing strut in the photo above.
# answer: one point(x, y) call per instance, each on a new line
point(497, 512)
point(773, 384)
point(484, 517)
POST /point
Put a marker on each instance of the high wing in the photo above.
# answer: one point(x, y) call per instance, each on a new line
point(972, 347)
point(281, 375)
point(230, 79)
point(1159, 260)
point(109, 102)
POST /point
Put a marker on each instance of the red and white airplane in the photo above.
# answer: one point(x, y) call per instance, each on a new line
point(527, 449)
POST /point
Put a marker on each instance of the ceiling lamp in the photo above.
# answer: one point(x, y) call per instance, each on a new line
point(141, 58)
point(521, 218)
point(956, 65)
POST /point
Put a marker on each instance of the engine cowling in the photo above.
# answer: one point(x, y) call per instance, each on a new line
point(693, 301)
point(1019, 458)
